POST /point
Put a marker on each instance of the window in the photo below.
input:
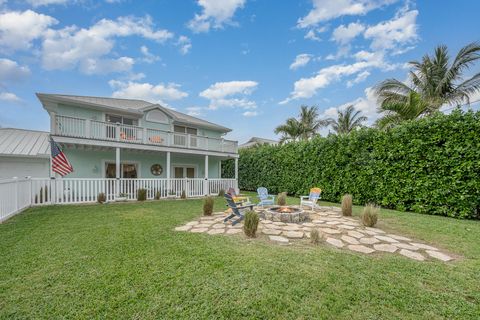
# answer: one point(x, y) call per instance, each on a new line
point(121, 119)
point(182, 129)
point(157, 116)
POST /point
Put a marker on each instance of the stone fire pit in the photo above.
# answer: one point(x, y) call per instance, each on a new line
point(286, 214)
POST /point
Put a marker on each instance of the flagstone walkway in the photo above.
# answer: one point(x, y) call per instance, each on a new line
point(336, 230)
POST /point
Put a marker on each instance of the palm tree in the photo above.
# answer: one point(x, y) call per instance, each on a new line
point(303, 128)
point(291, 130)
point(395, 113)
point(437, 80)
point(347, 120)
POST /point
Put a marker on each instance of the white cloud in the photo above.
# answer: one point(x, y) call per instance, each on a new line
point(325, 10)
point(214, 14)
point(11, 71)
point(148, 56)
point(19, 29)
point(9, 97)
point(146, 91)
point(301, 60)
point(185, 44)
point(70, 47)
point(308, 87)
point(38, 3)
point(230, 94)
point(344, 34)
point(194, 111)
point(105, 66)
point(312, 34)
point(250, 114)
point(362, 76)
point(402, 29)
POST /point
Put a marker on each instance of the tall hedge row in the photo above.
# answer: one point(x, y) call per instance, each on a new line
point(430, 165)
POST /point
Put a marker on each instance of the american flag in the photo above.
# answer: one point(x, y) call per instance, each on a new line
point(60, 162)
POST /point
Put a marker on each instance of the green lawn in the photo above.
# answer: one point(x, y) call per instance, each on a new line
point(125, 261)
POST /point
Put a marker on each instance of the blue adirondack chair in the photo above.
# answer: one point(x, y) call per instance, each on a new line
point(265, 198)
point(237, 210)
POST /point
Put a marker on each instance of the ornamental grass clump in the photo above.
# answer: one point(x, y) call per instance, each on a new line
point(347, 205)
point(370, 215)
point(208, 206)
point(183, 195)
point(221, 193)
point(282, 199)
point(251, 224)
point(142, 194)
point(315, 236)
point(101, 197)
point(157, 195)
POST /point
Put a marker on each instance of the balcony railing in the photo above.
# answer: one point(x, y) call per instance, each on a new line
point(98, 130)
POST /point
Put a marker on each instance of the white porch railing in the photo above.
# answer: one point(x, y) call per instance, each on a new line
point(18, 194)
point(92, 129)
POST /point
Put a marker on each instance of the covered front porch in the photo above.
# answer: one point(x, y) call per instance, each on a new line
point(120, 171)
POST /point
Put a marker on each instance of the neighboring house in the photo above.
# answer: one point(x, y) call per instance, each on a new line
point(126, 138)
point(24, 153)
point(255, 141)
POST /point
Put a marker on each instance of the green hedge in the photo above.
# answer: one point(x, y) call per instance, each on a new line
point(430, 165)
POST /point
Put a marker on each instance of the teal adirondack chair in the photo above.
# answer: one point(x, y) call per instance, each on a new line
point(265, 198)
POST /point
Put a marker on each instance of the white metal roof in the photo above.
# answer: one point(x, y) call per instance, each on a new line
point(24, 143)
point(132, 105)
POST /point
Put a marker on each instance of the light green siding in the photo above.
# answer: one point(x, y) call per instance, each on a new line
point(91, 164)
point(79, 112)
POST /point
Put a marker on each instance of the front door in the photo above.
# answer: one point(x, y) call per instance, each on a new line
point(184, 172)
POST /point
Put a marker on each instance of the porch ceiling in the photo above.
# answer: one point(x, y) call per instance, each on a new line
point(92, 147)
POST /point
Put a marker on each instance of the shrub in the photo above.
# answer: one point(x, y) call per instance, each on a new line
point(315, 236)
point(183, 195)
point(370, 215)
point(101, 197)
point(251, 224)
point(142, 194)
point(221, 193)
point(403, 167)
point(282, 199)
point(347, 205)
point(208, 206)
point(158, 195)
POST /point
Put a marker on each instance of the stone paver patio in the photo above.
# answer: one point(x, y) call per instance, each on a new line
point(346, 233)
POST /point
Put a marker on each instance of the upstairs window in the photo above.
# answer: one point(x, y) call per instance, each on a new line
point(157, 116)
point(121, 119)
point(187, 130)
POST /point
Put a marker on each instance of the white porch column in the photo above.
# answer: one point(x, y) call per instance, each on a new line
point(168, 173)
point(206, 190)
point(236, 175)
point(117, 171)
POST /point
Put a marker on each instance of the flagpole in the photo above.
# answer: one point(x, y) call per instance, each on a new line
point(52, 176)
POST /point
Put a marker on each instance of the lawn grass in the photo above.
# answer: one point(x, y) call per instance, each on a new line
point(125, 261)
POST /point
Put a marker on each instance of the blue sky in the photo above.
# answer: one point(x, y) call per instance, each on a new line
point(245, 64)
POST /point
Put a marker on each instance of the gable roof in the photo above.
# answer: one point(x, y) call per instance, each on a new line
point(256, 141)
point(24, 143)
point(134, 106)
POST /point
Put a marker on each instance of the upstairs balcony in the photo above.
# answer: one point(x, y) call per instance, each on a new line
point(107, 131)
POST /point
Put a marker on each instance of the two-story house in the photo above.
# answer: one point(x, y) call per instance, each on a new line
point(135, 139)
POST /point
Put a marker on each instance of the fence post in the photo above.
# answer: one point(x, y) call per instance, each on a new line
point(16, 193)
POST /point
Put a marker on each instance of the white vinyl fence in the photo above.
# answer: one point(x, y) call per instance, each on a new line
point(18, 194)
